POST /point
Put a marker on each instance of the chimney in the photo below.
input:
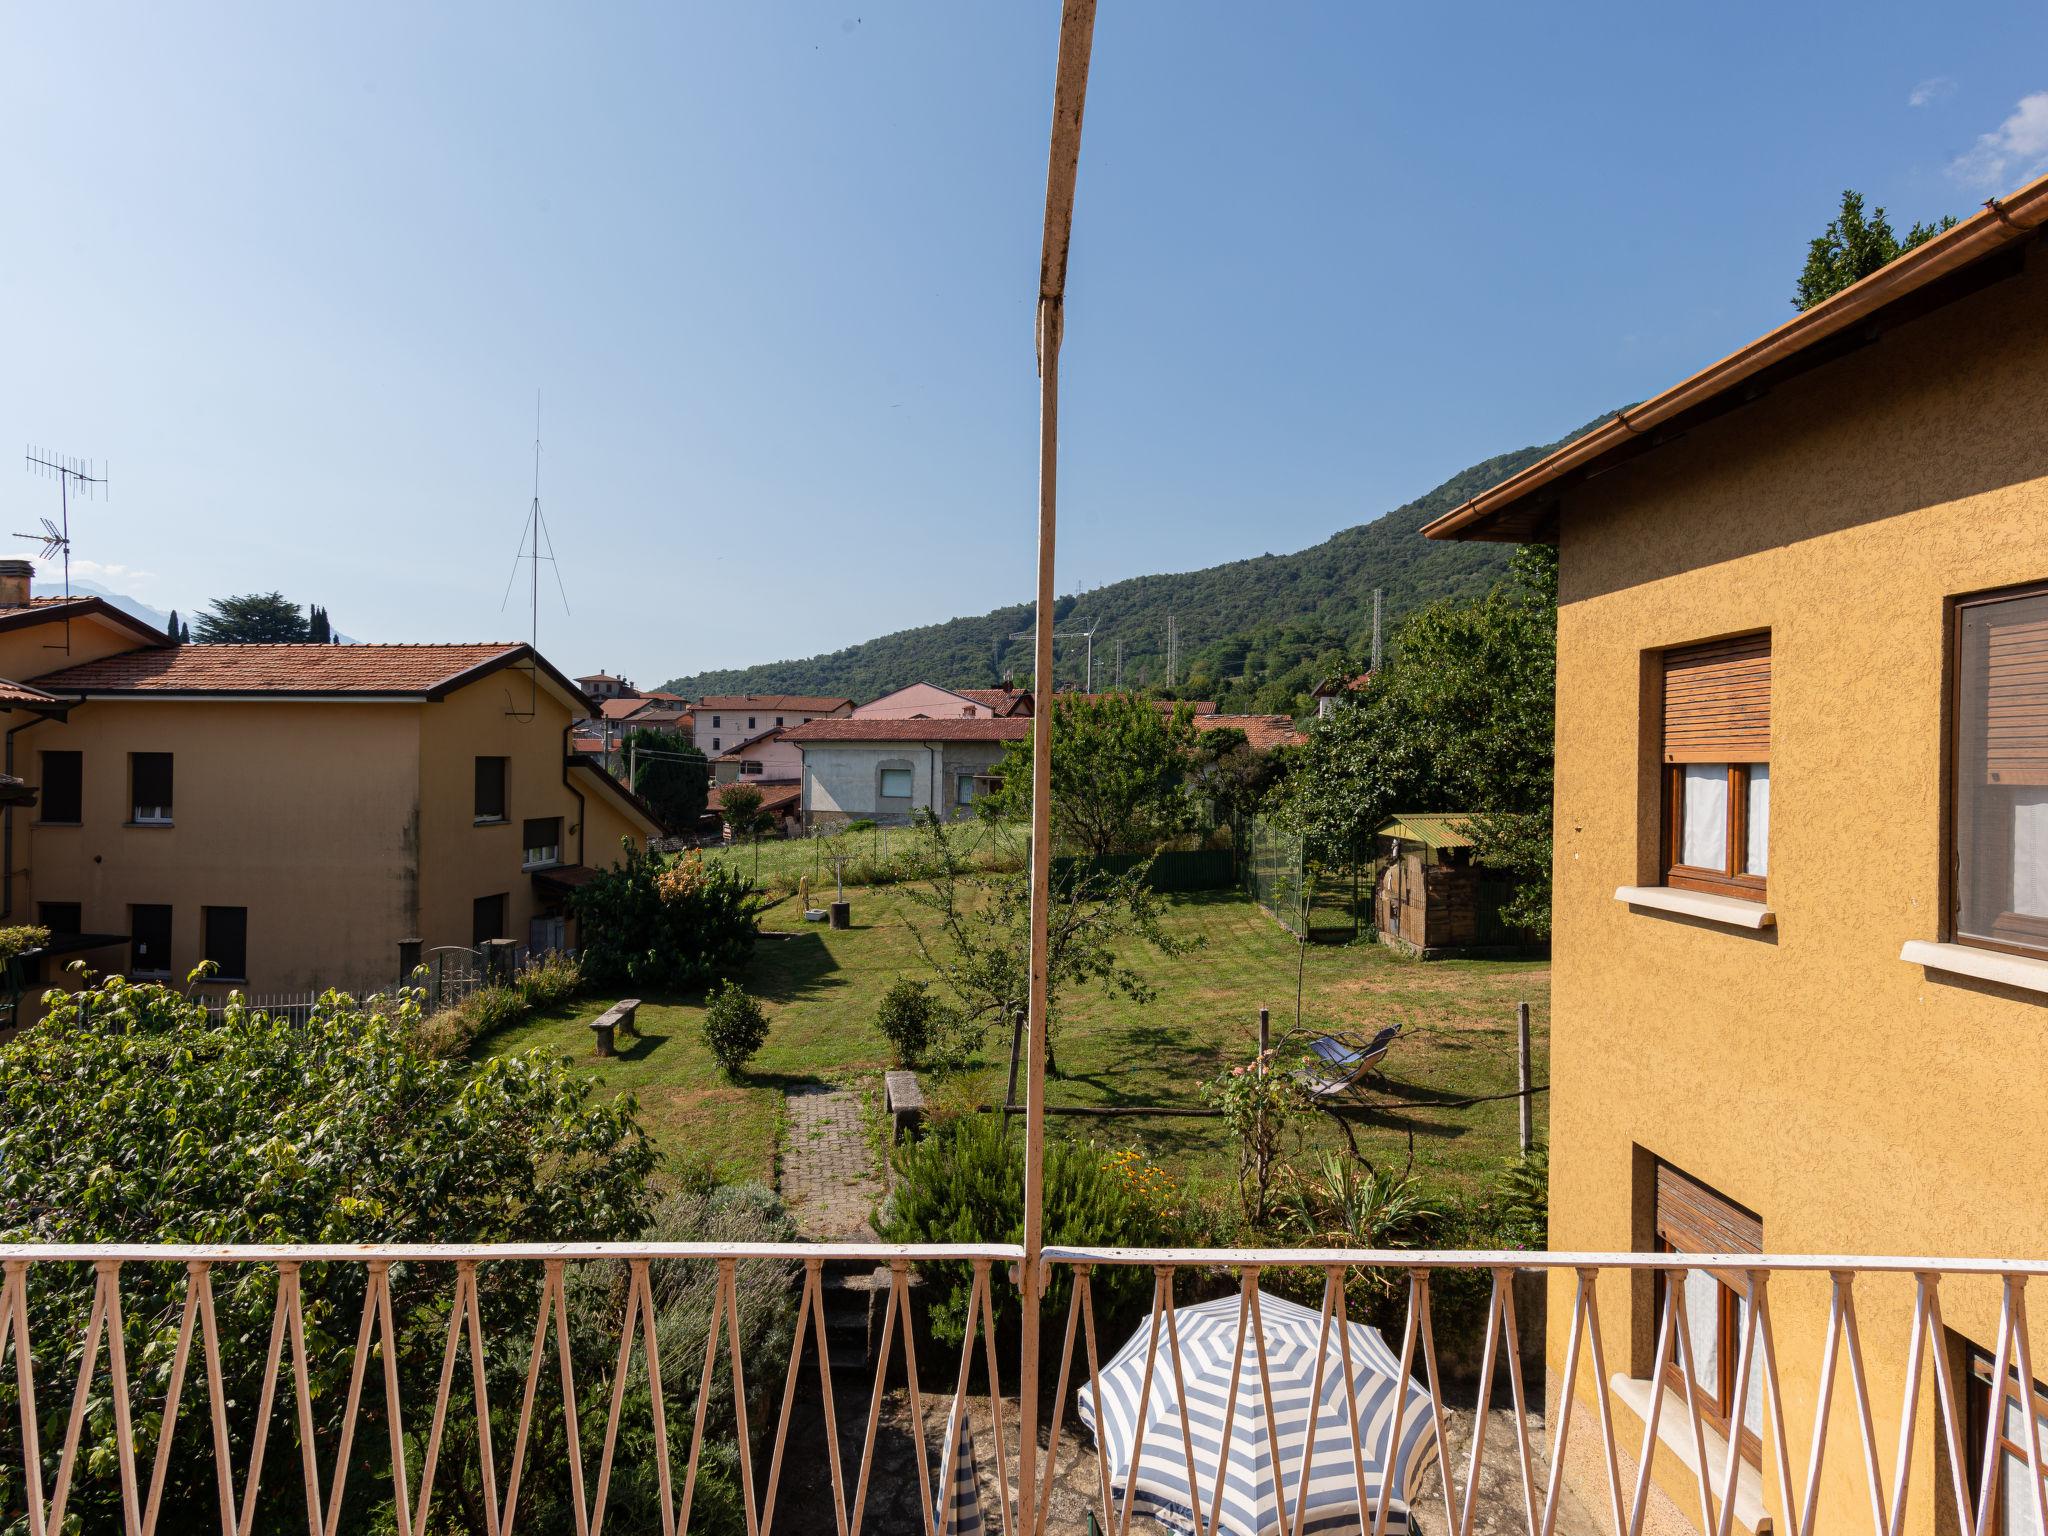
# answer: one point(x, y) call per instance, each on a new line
point(14, 580)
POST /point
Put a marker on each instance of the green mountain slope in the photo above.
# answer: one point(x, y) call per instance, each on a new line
point(1254, 634)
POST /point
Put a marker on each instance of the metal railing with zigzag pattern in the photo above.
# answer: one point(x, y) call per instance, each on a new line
point(1228, 1410)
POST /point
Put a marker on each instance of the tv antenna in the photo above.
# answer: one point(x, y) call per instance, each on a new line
point(533, 537)
point(71, 475)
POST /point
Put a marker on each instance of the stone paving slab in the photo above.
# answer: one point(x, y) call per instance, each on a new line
point(830, 1180)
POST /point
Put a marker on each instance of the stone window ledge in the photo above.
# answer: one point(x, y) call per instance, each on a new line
point(1983, 964)
point(1674, 1433)
point(1729, 911)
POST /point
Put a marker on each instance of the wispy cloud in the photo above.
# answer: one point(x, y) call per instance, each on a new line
point(1931, 90)
point(2016, 151)
point(110, 573)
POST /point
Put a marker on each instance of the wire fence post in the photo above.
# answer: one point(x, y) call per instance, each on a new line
point(1526, 1103)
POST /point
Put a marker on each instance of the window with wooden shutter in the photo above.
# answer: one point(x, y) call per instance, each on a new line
point(2000, 834)
point(1716, 750)
point(149, 782)
point(1693, 1218)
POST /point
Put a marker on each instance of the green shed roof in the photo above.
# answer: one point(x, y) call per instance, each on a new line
point(1447, 829)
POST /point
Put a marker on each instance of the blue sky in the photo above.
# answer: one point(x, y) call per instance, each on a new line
point(296, 272)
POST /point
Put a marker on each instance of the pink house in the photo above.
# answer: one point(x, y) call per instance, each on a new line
point(928, 701)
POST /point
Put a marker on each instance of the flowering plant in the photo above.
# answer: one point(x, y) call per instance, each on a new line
point(1258, 1100)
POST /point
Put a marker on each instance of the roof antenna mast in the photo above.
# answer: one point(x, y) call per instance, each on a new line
point(533, 538)
point(70, 474)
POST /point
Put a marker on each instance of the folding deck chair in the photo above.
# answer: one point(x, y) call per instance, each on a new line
point(1340, 1065)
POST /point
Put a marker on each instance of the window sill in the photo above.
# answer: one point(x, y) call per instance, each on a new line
point(39, 825)
point(492, 821)
point(1674, 1433)
point(1982, 964)
point(1729, 911)
point(154, 825)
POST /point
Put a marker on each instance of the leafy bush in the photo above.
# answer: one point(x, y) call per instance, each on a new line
point(664, 923)
point(917, 1024)
point(964, 1183)
point(154, 1122)
point(552, 979)
point(1259, 1100)
point(859, 824)
point(22, 938)
point(734, 1027)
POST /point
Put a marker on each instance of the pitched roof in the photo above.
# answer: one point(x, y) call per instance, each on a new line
point(1262, 733)
point(810, 703)
point(13, 695)
point(754, 740)
point(776, 794)
point(580, 762)
point(428, 670)
point(1443, 829)
point(1979, 247)
point(44, 610)
point(819, 731)
point(1348, 685)
point(619, 709)
point(1004, 701)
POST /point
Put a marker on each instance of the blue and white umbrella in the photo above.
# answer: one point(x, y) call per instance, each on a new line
point(1258, 1496)
point(959, 1506)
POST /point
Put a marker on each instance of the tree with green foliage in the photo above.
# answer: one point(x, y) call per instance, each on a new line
point(1120, 767)
point(318, 630)
point(130, 1114)
point(1461, 717)
point(666, 923)
point(255, 618)
point(739, 806)
point(171, 628)
point(1852, 247)
point(978, 941)
point(670, 773)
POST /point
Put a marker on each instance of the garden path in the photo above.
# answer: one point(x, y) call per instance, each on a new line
point(830, 1176)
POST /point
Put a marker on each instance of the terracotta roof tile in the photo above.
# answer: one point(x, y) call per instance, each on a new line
point(808, 702)
point(1262, 733)
point(277, 669)
point(776, 794)
point(1012, 729)
point(21, 693)
point(1004, 701)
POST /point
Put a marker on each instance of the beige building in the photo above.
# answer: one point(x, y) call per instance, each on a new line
point(1800, 996)
point(305, 816)
point(723, 721)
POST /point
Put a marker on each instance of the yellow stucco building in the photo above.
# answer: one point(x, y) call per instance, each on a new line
point(1801, 878)
point(306, 816)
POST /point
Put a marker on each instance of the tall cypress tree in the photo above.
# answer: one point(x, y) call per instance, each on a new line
point(171, 628)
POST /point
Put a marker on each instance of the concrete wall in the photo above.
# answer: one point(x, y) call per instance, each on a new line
point(1857, 1103)
point(841, 780)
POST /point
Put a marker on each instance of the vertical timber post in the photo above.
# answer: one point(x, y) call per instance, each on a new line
point(1070, 91)
point(1524, 1103)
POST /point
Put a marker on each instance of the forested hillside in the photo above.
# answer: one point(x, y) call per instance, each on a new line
point(1256, 635)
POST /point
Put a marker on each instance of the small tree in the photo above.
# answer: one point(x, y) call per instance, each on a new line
point(1259, 1101)
point(672, 924)
point(979, 942)
point(669, 773)
point(318, 630)
point(1120, 768)
point(734, 1026)
point(740, 807)
point(171, 628)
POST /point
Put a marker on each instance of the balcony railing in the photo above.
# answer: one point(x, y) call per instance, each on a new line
point(1314, 1463)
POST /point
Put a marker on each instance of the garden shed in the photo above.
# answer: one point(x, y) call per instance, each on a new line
point(1432, 898)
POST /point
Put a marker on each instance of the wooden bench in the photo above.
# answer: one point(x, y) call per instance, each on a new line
point(619, 1016)
point(903, 1098)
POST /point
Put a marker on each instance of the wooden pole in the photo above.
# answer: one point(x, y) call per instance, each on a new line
point(1070, 92)
point(1016, 1054)
point(1526, 1101)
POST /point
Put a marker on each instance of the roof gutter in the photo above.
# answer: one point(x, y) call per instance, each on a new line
point(2000, 224)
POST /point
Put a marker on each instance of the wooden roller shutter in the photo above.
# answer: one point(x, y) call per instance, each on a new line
point(1695, 1219)
point(2014, 654)
point(1717, 702)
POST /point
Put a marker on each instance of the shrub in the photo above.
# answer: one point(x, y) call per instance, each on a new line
point(964, 1183)
point(155, 1122)
point(664, 923)
point(917, 1024)
point(859, 824)
point(552, 979)
point(1258, 1100)
point(734, 1027)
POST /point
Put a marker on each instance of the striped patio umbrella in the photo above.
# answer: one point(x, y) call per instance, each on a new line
point(1258, 1495)
point(959, 1506)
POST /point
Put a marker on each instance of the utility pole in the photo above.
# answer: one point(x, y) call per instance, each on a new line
point(1070, 92)
point(1119, 666)
point(1376, 629)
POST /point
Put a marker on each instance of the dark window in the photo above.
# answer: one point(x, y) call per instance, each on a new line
point(149, 944)
point(1691, 1218)
point(149, 781)
point(778, 720)
point(61, 916)
point(1717, 773)
point(751, 765)
point(487, 920)
point(2011, 1507)
point(63, 787)
point(750, 722)
point(408, 958)
point(2000, 835)
point(490, 789)
point(714, 722)
point(714, 740)
point(227, 941)
point(542, 841)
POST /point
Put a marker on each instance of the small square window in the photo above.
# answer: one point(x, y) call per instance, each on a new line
point(226, 937)
point(896, 784)
point(542, 842)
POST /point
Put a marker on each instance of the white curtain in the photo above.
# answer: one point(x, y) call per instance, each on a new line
point(1704, 842)
point(2030, 852)
point(1757, 857)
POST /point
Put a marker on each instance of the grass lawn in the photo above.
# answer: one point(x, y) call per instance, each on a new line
point(821, 989)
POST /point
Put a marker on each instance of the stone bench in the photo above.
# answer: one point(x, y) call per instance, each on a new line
point(619, 1016)
point(903, 1098)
